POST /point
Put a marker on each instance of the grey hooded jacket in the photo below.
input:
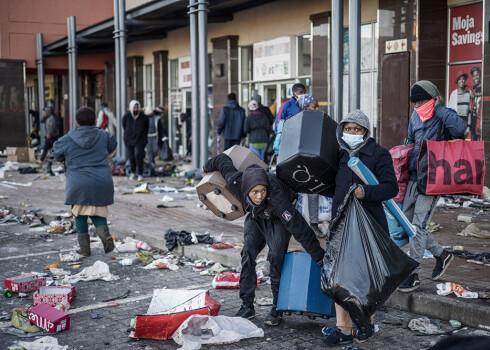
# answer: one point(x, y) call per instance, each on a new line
point(88, 174)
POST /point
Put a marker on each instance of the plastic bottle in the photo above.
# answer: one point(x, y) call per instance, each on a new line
point(126, 262)
point(63, 306)
point(8, 293)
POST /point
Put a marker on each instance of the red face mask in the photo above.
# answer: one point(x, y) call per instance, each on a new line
point(426, 111)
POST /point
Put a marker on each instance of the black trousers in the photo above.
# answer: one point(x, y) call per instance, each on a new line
point(136, 156)
point(257, 233)
point(230, 143)
point(48, 144)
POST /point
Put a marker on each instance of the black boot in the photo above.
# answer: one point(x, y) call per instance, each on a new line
point(84, 243)
point(105, 237)
point(274, 318)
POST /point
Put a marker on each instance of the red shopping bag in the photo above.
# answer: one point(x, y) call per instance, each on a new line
point(400, 156)
point(448, 167)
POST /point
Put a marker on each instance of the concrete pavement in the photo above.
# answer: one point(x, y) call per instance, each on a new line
point(137, 215)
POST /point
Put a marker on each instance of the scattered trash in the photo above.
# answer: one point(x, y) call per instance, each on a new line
point(167, 199)
point(96, 315)
point(433, 227)
point(161, 264)
point(131, 245)
point(99, 270)
point(262, 264)
point(214, 270)
point(486, 193)
point(169, 308)
point(44, 343)
point(423, 325)
point(455, 323)
point(49, 318)
point(222, 245)
point(174, 238)
point(20, 320)
point(25, 283)
point(54, 295)
point(230, 280)
point(264, 301)
point(450, 287)
point(203, 329)
point(145, 258)
point(165, 189)
point(474, 257)
point(52, 266)
point(466, 218)
point(63, 306)
point(59, 226)
point(71, 256)
point(29, 184)
point(126, 262)
point(143, 188)
point(474, 231)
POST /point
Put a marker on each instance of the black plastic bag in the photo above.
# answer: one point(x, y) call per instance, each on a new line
point(174, 238)
point(362, 265)
point(166, 152)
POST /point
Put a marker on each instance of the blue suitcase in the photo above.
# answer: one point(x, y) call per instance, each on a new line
point(300, 291)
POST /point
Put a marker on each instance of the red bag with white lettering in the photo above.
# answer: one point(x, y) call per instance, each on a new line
point(448, 167)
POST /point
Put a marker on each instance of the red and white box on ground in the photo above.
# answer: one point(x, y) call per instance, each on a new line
point(25, 283)
point(54, 295)
point(49, 318)
point(169, 308)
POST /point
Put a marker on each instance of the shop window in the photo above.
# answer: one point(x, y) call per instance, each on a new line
point(304, 55)
point(246, 63)
point(174, 73)
point(148, 86)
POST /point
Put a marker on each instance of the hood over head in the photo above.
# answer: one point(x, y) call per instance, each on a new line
point(48, 110)
point(257, 98)
point(132, 104)
point(252, 176)
point(357, 117)
point(85, 136)
point(233, 104)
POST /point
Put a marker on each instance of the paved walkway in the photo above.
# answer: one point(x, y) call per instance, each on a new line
point(137, 215)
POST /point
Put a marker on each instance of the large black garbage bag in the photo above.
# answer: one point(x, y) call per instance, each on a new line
point(362, 265)
point(174, 238)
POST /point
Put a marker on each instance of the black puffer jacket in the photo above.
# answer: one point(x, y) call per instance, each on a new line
point(135, 130)
point(278, 204)
point(258, 126)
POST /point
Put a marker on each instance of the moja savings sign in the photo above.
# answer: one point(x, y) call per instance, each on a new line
point(466, 33)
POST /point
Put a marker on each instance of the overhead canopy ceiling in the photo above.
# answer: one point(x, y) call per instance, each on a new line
point(150, 21)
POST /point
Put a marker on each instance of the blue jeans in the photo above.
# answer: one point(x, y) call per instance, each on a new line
point(259, 152)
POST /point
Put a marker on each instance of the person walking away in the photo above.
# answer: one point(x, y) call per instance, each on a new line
point(309, 103)
point(135, 124)
point(353, 136)
point(52, 131)
point(106, 119)
point(257, 126)
point(153, 132)
point(89, 187)
point(428, 120)
point(272, 219)
point(230, 122)
point(288, 109)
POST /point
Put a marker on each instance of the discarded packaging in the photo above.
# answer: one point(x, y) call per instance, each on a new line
point(44, 343)
point(222, 245)
point(63, 306)
point(131, 245)
point(49, 318)
point(169, 308)
point(99, 270)
point(20, 320)
point(466, 218)
point(202, 329)
point(455, 323)
point(174, 238)
point(474, 231)
point(423, 325)
point(231, 280)
point(52, 266)
point(96, 315)
point(25, 283)
point(143, 188)
point(161, 264)
point(450, 287)
point(126, 262)
point(145, 258)
point(71, 256)
point(54, 295)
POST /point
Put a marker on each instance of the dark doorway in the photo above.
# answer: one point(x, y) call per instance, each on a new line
point(395, 95)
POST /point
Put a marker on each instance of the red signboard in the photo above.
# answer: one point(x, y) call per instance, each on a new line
point(466, 33)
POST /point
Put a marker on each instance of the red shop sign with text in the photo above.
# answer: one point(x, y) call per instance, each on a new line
point(466, 33)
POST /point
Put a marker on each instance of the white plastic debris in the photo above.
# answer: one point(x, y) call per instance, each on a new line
point(44, 343)
point(423, 325)
point(71, 256)
point(450, 287)
point(202, 329)
point(98, 271)
point(167, 199)
point(130, 245)
point(161, 264)
point(29, 184)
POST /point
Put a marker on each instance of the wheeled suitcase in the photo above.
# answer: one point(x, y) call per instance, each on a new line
point(300, 291)
point(308, 153)
point(212, 189)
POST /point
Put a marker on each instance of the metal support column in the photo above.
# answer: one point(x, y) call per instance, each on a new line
point(117, 76)
point(196, 139)
point(203, 78)
point(354, 55)
point(40, 84)
point(72, 70)
point(122, 63)
point(337, 57)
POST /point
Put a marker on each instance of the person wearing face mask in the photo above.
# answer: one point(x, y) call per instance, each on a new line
point(272, 219)
point(135, 124)
point(428, 121)
point(354, 141)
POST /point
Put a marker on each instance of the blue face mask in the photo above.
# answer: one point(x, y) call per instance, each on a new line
point(353, 140)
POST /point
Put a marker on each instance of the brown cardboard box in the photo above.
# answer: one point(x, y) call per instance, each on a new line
point(20, 154)
point(212, 188)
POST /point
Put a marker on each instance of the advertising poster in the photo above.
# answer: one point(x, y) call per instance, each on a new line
point(272, 59)
point(185, 74)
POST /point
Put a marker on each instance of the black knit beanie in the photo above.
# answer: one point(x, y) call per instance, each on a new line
point(85, 116)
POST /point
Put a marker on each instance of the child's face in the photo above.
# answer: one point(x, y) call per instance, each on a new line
point(313, 106)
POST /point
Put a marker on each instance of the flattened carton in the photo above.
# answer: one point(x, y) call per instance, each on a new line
point(212, 189)
point(25, 283)
point(49, 318)
point(20, 154)
point(169, 308)
point(54, 295)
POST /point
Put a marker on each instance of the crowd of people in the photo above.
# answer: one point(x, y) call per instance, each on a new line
point(272, 215)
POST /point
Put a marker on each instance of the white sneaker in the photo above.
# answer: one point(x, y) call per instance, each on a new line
point(132, 176)
point(140, 178)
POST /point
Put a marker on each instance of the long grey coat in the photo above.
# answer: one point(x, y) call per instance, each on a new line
point(88, 174)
